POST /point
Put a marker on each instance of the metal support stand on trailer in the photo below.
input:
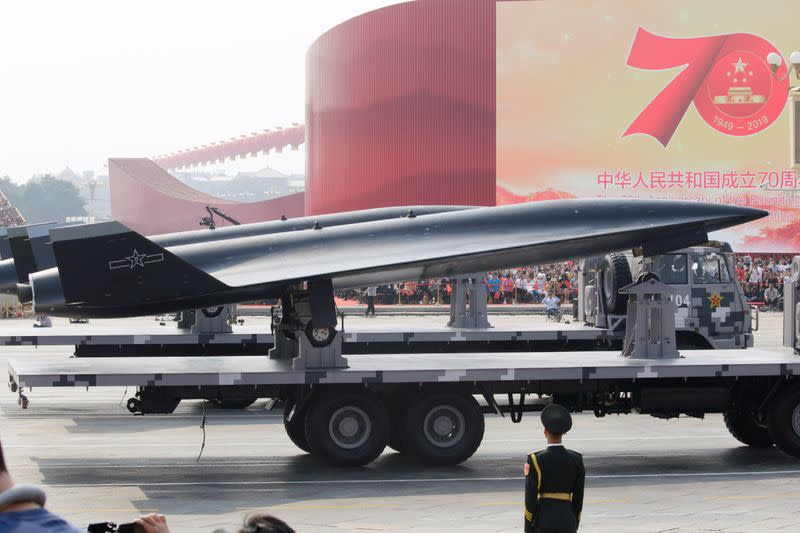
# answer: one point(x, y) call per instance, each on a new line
point(306, 333)
point(304, 355)
point(650, 331)
point(468, 303)
point(207, 321)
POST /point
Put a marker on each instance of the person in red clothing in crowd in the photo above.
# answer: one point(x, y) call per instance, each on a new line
point(740, 272)
point(507, 288)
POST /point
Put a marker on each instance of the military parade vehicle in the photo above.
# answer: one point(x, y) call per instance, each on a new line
point(712, 309)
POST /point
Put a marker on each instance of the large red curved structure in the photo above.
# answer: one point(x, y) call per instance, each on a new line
point(245, 145)
point(146, 198)
point(401, 108)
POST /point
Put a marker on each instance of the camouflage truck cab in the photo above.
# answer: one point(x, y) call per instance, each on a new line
point(713, 311)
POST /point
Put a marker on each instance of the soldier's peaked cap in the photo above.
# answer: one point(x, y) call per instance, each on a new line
point(556, 419)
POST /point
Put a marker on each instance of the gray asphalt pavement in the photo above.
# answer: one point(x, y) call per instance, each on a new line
point(97, 462)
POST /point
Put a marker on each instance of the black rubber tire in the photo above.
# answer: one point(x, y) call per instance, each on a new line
point(158, 406)
point(296, 428)
point(235, 403)
point(319, 344)
point(783, 420)
point(744, 429)
point(134, 406)
point(212, 312)
point(414, 436)
point(616, 274)
point(320, 421)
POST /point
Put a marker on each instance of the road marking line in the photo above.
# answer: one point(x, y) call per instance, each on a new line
point(331, 506)
point(287, 443)
point(134, 418)
point(627, 438)
point(175, 465)
point(145, 445)
point(515, 504)
point(410, 480)
point(131, 509)
point(774, 496)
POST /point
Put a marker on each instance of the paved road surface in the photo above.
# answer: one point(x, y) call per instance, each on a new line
point(97, 462)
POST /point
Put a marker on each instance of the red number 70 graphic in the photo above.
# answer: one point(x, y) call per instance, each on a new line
point(726, 76)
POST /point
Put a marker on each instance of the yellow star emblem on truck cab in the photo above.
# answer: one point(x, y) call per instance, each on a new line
point(716, 300)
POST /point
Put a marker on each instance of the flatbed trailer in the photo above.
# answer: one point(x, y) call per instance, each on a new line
point(427, 404)
point(346, 410)
point(409, 335)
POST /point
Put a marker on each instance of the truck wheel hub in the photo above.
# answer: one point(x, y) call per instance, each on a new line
point(320, 334)
point(444, 426)
point(796, 420)
point(350, 427)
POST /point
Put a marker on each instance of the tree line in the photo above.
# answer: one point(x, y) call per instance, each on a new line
point(44, 199)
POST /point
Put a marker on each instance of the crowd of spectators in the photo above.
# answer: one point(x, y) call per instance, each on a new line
point(513, 286)
point(762, 278)
point(9, 215)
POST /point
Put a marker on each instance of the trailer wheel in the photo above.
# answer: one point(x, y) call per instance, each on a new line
point(155, 401)
point(348, 428)
point(443, 428)
point(616, 274)
point(320, 337)
point(212, 312)
point(294, 422)
point(783, 421)
point(134, 405)
point(235, 403)
point(743, 427)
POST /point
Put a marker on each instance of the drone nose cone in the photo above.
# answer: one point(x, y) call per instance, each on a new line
point(724, 216)
point(8, 276)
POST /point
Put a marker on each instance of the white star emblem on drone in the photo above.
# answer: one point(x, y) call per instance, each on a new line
point(135, 259)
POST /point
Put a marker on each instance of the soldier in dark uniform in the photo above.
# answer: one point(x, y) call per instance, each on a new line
point(554, 479)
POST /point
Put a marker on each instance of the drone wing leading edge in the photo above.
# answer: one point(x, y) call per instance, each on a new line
point(107, 270)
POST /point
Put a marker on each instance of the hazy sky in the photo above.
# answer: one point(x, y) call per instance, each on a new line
point(84, 80)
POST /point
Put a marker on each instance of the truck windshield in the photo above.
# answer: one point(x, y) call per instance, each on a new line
point(707, 269)
point(672, 269)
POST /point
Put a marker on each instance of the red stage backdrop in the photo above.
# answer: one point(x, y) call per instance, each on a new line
point(401, 108)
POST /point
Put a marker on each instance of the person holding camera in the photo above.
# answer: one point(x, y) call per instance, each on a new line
point(22, 507)
point(22, 510)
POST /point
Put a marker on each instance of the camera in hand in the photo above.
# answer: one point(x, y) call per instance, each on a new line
point(111, 527)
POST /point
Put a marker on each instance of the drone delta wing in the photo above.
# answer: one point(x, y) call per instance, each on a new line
point(108, 270)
